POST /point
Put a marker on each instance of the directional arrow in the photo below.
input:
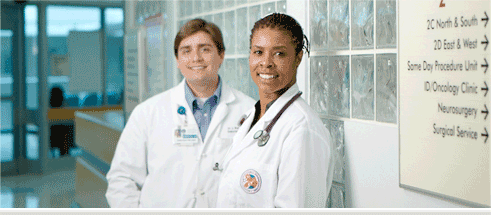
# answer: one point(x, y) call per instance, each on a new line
point(485, 65)
point(485, 88)
point(485, 42)
point(485, 135)
point(485, 111)
point(485, 19)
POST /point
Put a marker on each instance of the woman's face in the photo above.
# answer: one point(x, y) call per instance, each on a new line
point(273, 62)
point(198, 58)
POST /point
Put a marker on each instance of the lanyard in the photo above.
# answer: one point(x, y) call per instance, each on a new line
point(263, 135)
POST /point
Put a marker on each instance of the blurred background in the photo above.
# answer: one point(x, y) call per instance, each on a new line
point(72, 72)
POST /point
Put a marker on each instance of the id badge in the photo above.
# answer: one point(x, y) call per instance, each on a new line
point(232, 129)
point(185, 136)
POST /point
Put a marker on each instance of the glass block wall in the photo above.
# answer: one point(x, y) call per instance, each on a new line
point(353, 70)
point(352, 64)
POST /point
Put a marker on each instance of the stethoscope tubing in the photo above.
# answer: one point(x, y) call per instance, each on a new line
point(263, 135)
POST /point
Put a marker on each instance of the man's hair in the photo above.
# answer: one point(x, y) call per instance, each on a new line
point(286, 24)
point(193, 26)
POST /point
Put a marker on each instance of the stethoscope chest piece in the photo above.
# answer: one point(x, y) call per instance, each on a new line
point(262, 137)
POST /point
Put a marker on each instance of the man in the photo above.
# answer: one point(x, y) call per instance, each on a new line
point(155, 167)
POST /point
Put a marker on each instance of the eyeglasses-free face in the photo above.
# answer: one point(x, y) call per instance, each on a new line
point(272, 60)
point(198, 58)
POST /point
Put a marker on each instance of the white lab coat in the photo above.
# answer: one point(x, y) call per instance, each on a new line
point(148, 170)
point(295, 167)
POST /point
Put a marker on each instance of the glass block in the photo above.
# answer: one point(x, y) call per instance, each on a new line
point(208, 18)
point(268, 8)
point(32, 152)
point(386, 24)
point(362, 97)
point(319, 83)
point(245, 82)
point(229, 32)
point(207, 5)
point(254, 15)
point(339, 86)
point(362, 24)
point(281, 6)
point(218, 20)
point(242, 32)
point(338, 24)
point(7, 122)
point(229, 3)
point(7, 152)
point(218, 4)
point(243, 74)
point(387, 88)
point(181, 23)
point(336, 130)
point(182, 8)
point(198, 6)
point(228, 73)
point(337, 196)
point(318, 24)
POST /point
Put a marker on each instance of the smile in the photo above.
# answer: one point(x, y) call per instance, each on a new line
point(265, 76)
point(196, 67)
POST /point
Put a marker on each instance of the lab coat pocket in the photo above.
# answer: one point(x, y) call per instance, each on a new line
point(258, 182)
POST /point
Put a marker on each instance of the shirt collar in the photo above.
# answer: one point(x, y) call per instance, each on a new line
point(191, 99)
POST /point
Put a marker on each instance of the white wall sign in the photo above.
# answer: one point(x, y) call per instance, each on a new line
point(134, 69)
point(155, 56)
point(444, 100)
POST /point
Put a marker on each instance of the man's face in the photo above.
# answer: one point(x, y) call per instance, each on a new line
point(198, 58)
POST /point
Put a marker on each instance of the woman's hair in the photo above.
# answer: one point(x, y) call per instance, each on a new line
point(286, 24)
point(193, 26)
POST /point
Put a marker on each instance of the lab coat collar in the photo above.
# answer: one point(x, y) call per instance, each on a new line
point(222, 110)
point(277, 105)
point(245, 135)
point(179, 99)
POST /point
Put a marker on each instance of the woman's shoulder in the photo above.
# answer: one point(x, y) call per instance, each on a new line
point(300, 114)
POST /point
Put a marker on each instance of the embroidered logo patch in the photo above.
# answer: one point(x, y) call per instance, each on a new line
point(250, 181)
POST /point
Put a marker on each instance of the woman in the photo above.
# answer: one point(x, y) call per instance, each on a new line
point(288, 163)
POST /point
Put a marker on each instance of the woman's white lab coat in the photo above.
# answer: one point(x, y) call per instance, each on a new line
point(148, 170)
point(294, 169)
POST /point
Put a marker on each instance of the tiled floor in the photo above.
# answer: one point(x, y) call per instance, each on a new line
point(53, 190)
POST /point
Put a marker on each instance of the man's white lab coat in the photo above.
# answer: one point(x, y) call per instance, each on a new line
point(149, 170)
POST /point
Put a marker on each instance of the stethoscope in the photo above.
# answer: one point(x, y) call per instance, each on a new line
point(263, 135)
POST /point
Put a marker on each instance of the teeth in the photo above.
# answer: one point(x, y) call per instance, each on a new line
point(197, 67)
point(266, 76)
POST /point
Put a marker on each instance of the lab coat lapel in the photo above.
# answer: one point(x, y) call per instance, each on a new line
point(248, 138)
point(221, 112)
point(179, 99)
